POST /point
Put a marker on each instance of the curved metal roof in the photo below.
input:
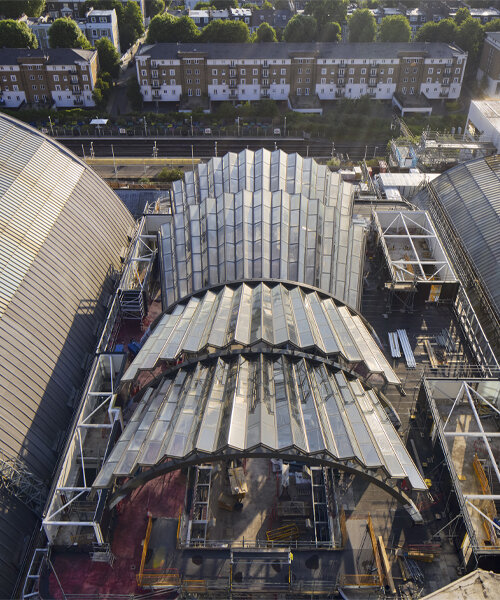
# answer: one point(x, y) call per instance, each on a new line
point(248, 314)
point(244, 404)
point(61, 232)
point(262, 215)
point(470, 195)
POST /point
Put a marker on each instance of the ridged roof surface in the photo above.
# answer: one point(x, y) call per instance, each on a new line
point(262, 215)
point(274, 315)
point(241, 404)
point(470, 195)
point(61, 232)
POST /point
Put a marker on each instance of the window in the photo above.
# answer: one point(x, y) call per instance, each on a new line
point(36, 97)
point(86, 87)
point(429, 80)
point(351, 71)
point(412, 91)
point(430, 71)
point(197, 81)
point(32, 77)
point(189, 81)
point(214, 81)
point(350, 80)
point(299, 80)
point(308, 80)
point(323, 80)
point(255, 71)
point(457, 71)
point(40, 77)
point(144, 72)
point(172, 72)
point(15, 88)
point(197, 71)
point(390, 71)
point(282, 81)
point(299, 91)
point(389, 80)
point(144, 82)
point(242, 71)
point(362, 80)
point(306, 91)
point(34, 87)
point(242, 81)
point(58, 88)
point(299, 70)
point(363, 71)
point(214, 71)
point(56, 77)
point(455, 80)
point(405, 80)
point(403, 90)
point(85, 78)
point(188, 71)
point(172, 82)
point(446, 81)
point(323, 71)
point(190, 92)
point(308, 70)
point(255, 81)
point(413, 80)
point(198, 92)
point(283, 71)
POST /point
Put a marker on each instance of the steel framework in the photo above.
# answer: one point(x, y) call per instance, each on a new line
point(18, 481)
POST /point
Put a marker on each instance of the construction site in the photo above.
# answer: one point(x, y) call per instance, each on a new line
point(292, 396)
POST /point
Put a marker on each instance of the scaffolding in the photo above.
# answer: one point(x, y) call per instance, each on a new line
point(74, 510)
point(415, 258)
point(17, 480)
point(465, 420)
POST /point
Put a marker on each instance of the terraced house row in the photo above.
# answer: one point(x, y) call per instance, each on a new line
point(299, 73)
point(62, 77)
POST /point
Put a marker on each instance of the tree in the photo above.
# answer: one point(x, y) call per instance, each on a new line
point(13, 10)
point(109, 59)
point(330, 32)
point(101, 91)
point(170, 174)
point(327, 11)
point(203, 5)
point(132, 25)
point(470, 38)
point(362, 26)
point(395, 29)
point(166, 28)
point(65, 33)
point(16, 34)
point(223, 4)
point(156, 7)
point(493, 25)
point(226, 31)
point(301, 28)
point(427, 33)
point(265, 33)
point(282, 4)
point(461, 15)
point(447, 31)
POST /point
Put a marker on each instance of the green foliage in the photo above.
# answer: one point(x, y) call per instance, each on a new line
point(102, 91)
point(167, 28)
point(131, 25)
point(470, 38)
point(65, 33)
point(281, 4)
point(334, 163)
point(14, 9)
point(226, 32)
point(445, 31)
point(330, 32)
point(395, 28)
point(461, 15)
point(16, 34)
point(301, 28)
point(222, 4)
point(362, 26)
point(203, 5)
point(134, 93)
point(265, 33)
point(170, 174)
point(492, 25)
point(109, 59)
point(327, 11)
point(157, 7)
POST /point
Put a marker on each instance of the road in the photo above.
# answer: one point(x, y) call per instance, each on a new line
point(209, 146)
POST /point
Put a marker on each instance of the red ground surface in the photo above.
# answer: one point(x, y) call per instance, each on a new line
point(163, 497)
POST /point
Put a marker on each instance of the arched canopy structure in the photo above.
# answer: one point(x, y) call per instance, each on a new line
point(245, 314)
point(259, 405)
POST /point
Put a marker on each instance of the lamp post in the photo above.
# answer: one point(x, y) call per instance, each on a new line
point(51, 127)
point(192, 130)
point(284, 127)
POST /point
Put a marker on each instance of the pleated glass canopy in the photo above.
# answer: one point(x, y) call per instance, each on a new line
point(276, 405)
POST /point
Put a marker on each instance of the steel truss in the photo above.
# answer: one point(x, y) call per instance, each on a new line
point(72, 502)
point(468, 395)
point(18, 481)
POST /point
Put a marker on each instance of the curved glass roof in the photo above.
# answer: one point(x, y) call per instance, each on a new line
point(278, 315)
point(470, 195)
point(262, 215)
point(243, 404)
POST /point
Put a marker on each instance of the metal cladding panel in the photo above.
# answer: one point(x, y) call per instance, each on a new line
point(248, 314)
point(61, 233)
point(470, 196)
point(244, 404)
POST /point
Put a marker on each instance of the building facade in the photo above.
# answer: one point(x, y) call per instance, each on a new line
point(95, 25)
point(62, 77)
point(489, 66)
point(281, 71)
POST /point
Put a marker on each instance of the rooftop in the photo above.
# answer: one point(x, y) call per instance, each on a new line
point(285, 50)
point(52, 56)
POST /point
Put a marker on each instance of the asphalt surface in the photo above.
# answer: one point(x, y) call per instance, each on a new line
point(205, 147)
